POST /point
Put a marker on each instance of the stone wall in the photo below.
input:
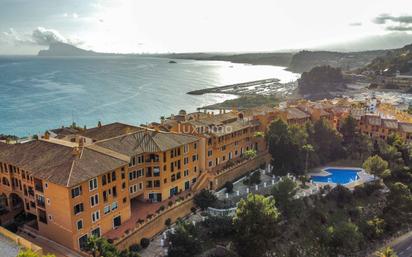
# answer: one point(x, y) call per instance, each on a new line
point(156, 225)
point(21, 241)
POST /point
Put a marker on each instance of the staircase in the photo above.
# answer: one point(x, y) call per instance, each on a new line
point(202, 182)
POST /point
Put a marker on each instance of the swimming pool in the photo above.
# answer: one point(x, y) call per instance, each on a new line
point(338, 175)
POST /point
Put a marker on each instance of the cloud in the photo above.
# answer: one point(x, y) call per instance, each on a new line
point(384, 18)
point(43, 36)
point(40, 36)
point(399, 28)
point(355, 24)
point(71, 15)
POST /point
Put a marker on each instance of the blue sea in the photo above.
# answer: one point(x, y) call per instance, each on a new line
point(38, 93)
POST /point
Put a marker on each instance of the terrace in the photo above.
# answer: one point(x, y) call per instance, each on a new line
point(142, 212)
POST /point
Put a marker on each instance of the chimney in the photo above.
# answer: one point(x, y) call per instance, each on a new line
point(99, 124)
point(46, 135)
point(76, 151)
point(81, 142)
point(162, 120)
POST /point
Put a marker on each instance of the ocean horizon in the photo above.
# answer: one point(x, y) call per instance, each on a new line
point(40, 93)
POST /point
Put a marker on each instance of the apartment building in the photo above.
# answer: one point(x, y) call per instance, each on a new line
point(59, 183)
point(376, 126)
point(293, 115)
point(224, 137)
point(162, 164)
point(78, 186)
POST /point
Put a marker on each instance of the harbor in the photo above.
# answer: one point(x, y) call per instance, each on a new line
point(271, 86)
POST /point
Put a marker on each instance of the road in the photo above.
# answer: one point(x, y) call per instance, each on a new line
point(403, 245)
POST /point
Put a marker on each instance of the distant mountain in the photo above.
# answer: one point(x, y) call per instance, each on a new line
point(270, 58)
point(63, 49)
point(306, 60)
point(393, 61)
point(376, 42)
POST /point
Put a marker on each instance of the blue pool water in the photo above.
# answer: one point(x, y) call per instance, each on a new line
point(338, 176)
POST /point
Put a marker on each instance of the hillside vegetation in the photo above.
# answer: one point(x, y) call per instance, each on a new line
point(321, 80)
point(395, 60)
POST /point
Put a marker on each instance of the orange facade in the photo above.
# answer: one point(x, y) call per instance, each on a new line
point(86, 188)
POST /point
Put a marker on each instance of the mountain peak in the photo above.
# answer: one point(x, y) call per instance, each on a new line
point(63, 49)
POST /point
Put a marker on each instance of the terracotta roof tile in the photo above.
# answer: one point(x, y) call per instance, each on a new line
point(58, 163)
point(146, 141)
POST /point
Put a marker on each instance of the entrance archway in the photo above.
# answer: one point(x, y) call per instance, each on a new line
point(15, 201)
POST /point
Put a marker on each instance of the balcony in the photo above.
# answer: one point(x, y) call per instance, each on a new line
point(153, 158)
point(38, 185)
point(40, 203)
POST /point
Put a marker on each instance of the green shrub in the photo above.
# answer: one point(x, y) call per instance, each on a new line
point(145, 242)
point(134, 248)
point(229, 187)
point(205, 199)
point(168, 222)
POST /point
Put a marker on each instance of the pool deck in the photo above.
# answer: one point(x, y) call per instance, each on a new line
point(8, 248)
point(364, 177)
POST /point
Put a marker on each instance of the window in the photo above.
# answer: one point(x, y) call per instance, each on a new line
point(95, 216)
point(106, 209)
point(78, 208)
point(104, 196)
point(79, 224)
point(83, 242)
point(186, 149)
point(114, 176)
point(156, 183)
point(195, 145)
point(42, 216)
point(93, 184)
point(94, 200)
point(194, 157)
point(149, 184)
point(178, 175)
point(156, 171)
point(77, 191)
point(96, 232)
point(186, 173)
point(114, 191)
point(114, 206)
point(104, 181)
point(185, 160)
point(209, 153)
point(117, 222)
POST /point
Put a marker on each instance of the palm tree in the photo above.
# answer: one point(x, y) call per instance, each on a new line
point(92, 246)
point(308, 148)
point(386, 252)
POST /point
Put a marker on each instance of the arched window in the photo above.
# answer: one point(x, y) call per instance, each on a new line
point(5, 181)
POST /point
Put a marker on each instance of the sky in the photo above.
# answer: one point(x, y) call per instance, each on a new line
point(143, 26)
